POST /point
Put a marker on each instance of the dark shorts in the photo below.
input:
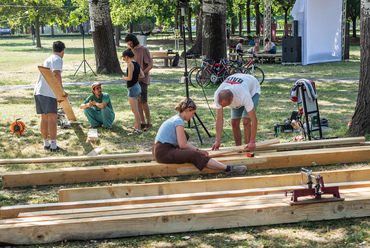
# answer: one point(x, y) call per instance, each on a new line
point(170, 154)
point(143, 97)
point(46, 105)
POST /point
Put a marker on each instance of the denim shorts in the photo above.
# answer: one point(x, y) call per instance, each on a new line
point(238, 113)
point(134, 91)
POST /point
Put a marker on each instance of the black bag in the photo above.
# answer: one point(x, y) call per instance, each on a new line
point(175, 60)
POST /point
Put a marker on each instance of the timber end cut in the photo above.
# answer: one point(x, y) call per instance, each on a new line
point(92, 135)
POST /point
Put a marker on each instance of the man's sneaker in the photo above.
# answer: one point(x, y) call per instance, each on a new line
point(148, 127)
point(143, 126)
point(94, 127)
point(135, 132)
point(58, 149)
point(47, 148)
point(237, 169)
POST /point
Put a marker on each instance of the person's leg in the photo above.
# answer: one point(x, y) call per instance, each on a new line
point(93, 117)
point(143, 104)
point(107, 116)
point(135, 109)
point(236, 115)
point(52, 125)
point(215, 165)
point(44, 126)
point(145, 107)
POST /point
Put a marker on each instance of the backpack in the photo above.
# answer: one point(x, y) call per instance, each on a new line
point(175, 60)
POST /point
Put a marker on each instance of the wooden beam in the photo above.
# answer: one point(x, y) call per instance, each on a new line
point(271, 211)
point(58, 91)
point(191, 190)
point(153, 169)
point(92, 135)
point(211, 185)
point(149, 156)
point(236, 149)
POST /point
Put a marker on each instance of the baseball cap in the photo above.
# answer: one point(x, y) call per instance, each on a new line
point(94, 85)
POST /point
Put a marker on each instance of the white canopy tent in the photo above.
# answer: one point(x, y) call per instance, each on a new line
point(320, 26)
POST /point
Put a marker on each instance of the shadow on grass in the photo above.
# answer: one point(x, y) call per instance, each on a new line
point(82, 139)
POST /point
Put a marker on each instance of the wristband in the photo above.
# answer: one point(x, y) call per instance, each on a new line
point(252, 141)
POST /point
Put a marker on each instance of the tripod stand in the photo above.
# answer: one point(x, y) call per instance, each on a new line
point(186, 74)
point(83, 52)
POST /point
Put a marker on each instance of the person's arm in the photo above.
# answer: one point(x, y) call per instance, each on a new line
point(130, 68)
point(85, 105)
point(148, 68)
point(58, 76)
point(252, 143)
point(219, 127)
point(183, 142)
point(102, 105)
point(141, 75)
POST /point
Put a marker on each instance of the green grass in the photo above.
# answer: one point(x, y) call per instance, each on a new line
point(337, 101)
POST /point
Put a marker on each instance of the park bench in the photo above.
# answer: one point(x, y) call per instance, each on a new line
point(165, 55)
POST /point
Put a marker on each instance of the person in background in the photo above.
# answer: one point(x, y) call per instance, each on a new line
point(133, 87)
point(171, 143)
point(142, 56)
point(239, 47)
point(46, 101)
point(269, 47)
point(98, 108)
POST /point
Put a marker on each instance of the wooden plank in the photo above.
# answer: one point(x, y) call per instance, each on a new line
point(277, 211)
point(153, 169)
point(58, 91)
point(8, 212)
point(149, 156)
point(211, 185)
point(92, 135)
point(236, 149)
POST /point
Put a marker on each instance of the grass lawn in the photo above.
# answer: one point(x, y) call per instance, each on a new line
point(18, 65)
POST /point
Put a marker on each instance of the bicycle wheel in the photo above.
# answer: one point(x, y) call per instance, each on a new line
point(257, 73)
point(204, 77)
point(192, 76)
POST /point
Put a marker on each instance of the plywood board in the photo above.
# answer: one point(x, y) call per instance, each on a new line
point(58, 91)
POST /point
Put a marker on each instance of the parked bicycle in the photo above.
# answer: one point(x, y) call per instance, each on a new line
point(250, 67)
point(211, 72)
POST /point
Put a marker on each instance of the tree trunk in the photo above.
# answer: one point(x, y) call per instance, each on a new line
point(360, 124)
point(177, 19)
point(286, 16)
point(117, 30)
point(37, 27)
point(240, 24)
point(354, 27)
point(52, 29)
point(131, 28)
point(102, 33)
point(190, 34)
point(258, 18)
point(248, 17)
point(214, 29)
point(197, 46)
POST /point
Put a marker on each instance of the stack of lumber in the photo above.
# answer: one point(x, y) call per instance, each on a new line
point(261, 160)
point(154, 210)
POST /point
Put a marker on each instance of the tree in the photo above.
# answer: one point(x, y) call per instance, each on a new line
point(197, 46)
point(285, 5)
point(102, 33)
point(214, 29)
point(360, 124)
point(353, 13)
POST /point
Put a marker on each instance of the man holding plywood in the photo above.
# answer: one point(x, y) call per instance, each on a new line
point(46, 101)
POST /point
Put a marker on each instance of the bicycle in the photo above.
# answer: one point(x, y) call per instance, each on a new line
point(213, 72)
point(193, 71)
point(250, 68)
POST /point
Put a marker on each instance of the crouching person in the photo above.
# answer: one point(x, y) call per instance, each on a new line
point(172, 146)
point(98, 108)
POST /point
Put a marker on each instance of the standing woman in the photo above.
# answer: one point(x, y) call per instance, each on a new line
point(133, 87)
point(172, 146)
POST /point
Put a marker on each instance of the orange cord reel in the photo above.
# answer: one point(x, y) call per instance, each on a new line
point(18, 127)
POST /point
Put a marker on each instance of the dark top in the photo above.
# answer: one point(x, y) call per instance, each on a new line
point(135, 75)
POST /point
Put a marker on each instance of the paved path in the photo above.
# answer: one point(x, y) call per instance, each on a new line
point(118, 82)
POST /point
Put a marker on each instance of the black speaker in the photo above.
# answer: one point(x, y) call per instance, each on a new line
point(292, 49)
point(295, 28)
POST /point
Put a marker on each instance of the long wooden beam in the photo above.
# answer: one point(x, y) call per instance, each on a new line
point(211, 185)
point(270, 211)
point(153, 169)
point(190, 190)
point(148, 155)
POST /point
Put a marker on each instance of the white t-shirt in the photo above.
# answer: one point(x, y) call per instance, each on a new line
point(243, 87)
point(55, 63)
